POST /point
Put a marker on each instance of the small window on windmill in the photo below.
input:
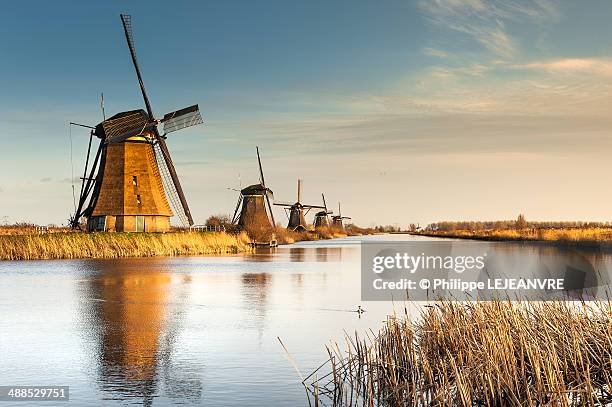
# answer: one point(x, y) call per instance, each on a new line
point(138, 200)
point(134, 180)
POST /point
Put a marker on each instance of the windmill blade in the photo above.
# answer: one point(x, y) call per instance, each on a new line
point(269, 193)
point(126, 19)
point(86, 187)
point(324, 204)
point(270, 209)
point(313, 207)
point(282, 204)
point(172, 184)
point(263, 183)
point(234, 219)
point(181, 119)
point(261, 175)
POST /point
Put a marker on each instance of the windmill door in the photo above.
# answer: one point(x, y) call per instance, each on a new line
point(140, 224)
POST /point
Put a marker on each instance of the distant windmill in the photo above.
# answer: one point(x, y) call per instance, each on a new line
point(338, 220)
point(252, 204)
point(297, 220)
point(321, 219)
point(132, 176)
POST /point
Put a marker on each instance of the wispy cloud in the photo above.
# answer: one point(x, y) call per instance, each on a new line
point(597, 66)
point(474, 70)
point(435, 52)
point(485, 22)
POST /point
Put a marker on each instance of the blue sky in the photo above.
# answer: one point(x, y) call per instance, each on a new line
point(406, 111)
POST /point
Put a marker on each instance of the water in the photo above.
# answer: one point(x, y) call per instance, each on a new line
point(190, 330)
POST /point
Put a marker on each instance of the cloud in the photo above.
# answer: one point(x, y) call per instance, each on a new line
point(477, 70)
point(598, 66)
point(434, 52)
point(485, 22)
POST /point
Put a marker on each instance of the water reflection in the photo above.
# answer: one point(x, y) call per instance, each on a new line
point(134, 313)
point(583, 270)
point(255, 288)
point(297, 254)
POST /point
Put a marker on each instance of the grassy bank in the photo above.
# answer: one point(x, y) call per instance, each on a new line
point(112, 245)
point(488, 353)
point(284, 236)
point(577, 235)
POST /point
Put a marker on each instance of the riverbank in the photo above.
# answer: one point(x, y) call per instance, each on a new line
point(575, 236)
point(482, 353)
point(113, 245)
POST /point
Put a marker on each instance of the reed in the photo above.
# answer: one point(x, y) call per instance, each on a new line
point(284, 236)
point(575, 235)
point(478, 353)
point(112, 245)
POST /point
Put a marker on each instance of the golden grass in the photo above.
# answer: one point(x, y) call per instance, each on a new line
point(285, 236)
point(576, 235)
point(111, 245)
point(481, 353)
point(30, 229)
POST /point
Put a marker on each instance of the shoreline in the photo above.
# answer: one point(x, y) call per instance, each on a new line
point(559, 242)
point(107, 245)
point(56, 246)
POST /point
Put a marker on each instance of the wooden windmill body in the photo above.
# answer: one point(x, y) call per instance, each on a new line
point(253, 209)
point(321, 219)
point(132, 182)
point(338, 220)
point(297, 211)
point(250, 212)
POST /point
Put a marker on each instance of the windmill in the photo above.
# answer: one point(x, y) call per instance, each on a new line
point(297, 221)
point(338, 220)
point(252, 203)
point(321, 219)
point(132, 178)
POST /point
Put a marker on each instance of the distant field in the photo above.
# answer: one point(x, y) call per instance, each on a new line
point(575, 235)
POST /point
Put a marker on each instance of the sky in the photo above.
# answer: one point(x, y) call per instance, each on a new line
point(404, 111)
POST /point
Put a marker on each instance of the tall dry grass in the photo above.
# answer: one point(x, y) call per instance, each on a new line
point(578, 235)
point(111, 245)
point(285, 236)
point(24, 228)
point(482, 353)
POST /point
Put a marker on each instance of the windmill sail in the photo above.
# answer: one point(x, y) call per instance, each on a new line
point(127, 28)
point(181, 119)
point(170, 188)
point(268, 192)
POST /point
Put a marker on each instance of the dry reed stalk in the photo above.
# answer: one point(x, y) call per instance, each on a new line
point(481, 353)
point(112, 245)
point(575, 235)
